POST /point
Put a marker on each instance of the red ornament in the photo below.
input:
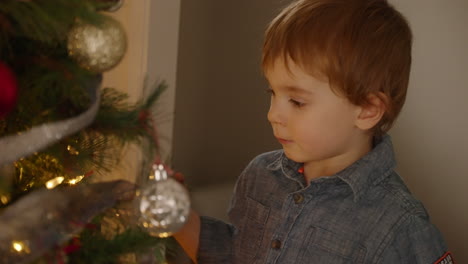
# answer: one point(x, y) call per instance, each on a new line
point(8, 90)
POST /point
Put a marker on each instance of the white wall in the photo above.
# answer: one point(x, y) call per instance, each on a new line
point(162, 65)
point(128, 76)
point(152, 28)
point(221, 104)
point(431, 134)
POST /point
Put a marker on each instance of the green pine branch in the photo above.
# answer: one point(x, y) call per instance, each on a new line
point(95, 247)
point(45, 21)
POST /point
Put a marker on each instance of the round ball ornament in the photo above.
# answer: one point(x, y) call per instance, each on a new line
point(97, 48)
point(164, 204)
point(8, 90)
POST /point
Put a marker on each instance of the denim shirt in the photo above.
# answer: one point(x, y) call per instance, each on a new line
point(363, 214)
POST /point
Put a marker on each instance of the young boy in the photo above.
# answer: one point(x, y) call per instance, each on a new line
point(338, 72)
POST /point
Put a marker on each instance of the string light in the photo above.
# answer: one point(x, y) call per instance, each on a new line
point(76, 180)
point(4, 199)
point(20, 247)
point(72, 150)
point(54, 182)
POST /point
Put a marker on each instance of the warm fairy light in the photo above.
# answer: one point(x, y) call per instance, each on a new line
point(165, 234)
point(20, 176)
point(76, 180)
point(54, 182)
point(4, 199)
point(72, 150)
point(20, 247)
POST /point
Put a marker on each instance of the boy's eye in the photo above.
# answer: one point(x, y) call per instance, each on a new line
point(296, 103)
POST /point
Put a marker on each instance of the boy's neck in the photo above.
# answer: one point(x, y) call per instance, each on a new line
point(329, 167)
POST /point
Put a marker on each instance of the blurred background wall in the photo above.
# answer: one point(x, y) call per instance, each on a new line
point(220, 106)
point(220, 114)
point(431, 135)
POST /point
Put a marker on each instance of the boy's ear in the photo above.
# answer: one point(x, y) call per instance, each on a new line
point(372, 112)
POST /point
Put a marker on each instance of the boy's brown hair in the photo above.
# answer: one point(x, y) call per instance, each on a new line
point(361, 47)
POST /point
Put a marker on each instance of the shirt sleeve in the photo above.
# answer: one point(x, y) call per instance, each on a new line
point(215, 245)
point(418, 241)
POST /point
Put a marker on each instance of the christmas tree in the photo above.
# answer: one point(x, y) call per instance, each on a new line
point(59, 129)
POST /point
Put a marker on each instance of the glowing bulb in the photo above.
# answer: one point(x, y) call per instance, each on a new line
point(76, 180)
point(20, 247)
point(17, 246)
point(72, 150)
point(4, 199)
point(165, 234)
point(21, 170)
point(54, 182)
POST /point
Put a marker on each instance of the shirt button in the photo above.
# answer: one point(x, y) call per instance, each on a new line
point(298, 198)
point(276, 244)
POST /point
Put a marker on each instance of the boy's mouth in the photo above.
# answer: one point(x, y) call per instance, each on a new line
point(283, 141)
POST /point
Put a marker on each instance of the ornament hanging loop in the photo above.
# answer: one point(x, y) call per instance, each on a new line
point(160, 173)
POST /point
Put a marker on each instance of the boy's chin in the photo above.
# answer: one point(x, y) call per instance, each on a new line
point(293, 156)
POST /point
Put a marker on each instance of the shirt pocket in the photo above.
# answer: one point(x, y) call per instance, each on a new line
point(252, 230)
point(323, 246)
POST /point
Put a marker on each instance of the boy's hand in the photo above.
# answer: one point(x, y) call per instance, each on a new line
point(188, 235)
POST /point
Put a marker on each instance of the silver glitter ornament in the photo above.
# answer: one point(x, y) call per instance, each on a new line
point(97, 48)
point(164, 204)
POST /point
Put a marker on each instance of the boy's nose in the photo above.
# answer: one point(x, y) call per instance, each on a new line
point(274, 115)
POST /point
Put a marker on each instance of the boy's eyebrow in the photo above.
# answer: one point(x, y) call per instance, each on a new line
point(298, 90)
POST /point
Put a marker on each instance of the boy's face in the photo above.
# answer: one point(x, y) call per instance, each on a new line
point(311, 122)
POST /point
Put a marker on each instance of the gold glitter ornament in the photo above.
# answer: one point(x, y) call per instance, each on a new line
point(97, 48)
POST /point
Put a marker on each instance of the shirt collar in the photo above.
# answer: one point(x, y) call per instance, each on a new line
point(371, 169)
point(287, 168)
